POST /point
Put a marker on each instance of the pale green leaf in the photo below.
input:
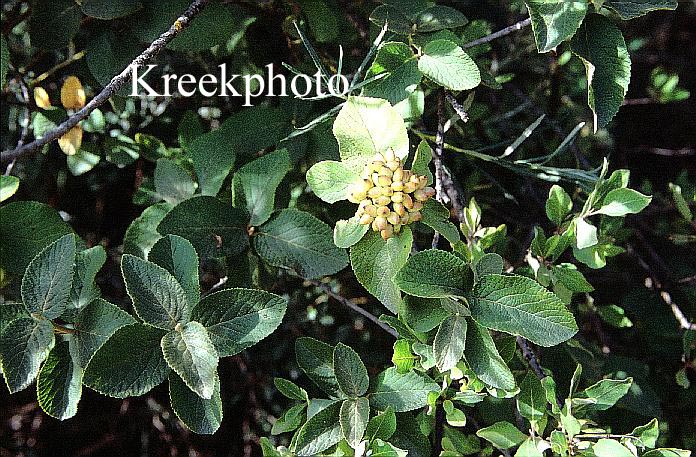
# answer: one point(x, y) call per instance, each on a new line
point(296, 240)
point(129, 364)
point(366, 126)
point(520, 306)
point(142, 233)
point(173, 184)
point(354, 415)
point(558, 204)
point(24, 345)
point(376, 261)
point(444, 62)
point(585, 234)
point(382, 426)
point(47, 282)
point(189, 351)
point(667, 452)
point(331, 180)
point(555, 21)
point(199, 415)
point(348, 232)
point(59, 384)
point(502, 435)
point(290, 389)
point(449, 343)
point(622, 201)
point(8, 184)
point(603, 395)
point(438, 17)
point(610, 448)
point(239, 318)
point(631, 9)
point(421, 161)
point(403, 392)
point(528, 449)
point(400, 64)
point(437, 217)
point(531, 402)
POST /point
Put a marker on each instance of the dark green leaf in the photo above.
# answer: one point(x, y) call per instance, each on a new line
point(484, 359)
point(24, 345)
point(400, 64)
point(87, 265)
point(558, 204)
point(403, 392)
point(176, 255)
point(290, 389)
point(350, 371)
point(631, 9)
point(555, 21)
point(199, 415)
point(316, 360)
point(53, 24)
point(382, 426)
point(59, 384)
point(450, 341)
point(502, 435)
point(110, 9)
point(142, 233)
point(320, 432)
point(448, 65)
point(189, 351)
point(354, 415)
point(434, 274)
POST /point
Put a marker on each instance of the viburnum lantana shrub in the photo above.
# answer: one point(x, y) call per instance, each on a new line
point(466, 320)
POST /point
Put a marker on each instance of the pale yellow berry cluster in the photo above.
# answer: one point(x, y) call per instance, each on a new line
point(389, 196)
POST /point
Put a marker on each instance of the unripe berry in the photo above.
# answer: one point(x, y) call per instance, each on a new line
point(385, 171)
point(375, 179)
point(382, 200)
point(429, 191)
point(409, 187)
point(405, 219)
point(374, 192)
point(397, 186)
point(387, 191)
point(415, 217)
point(382, 211)
point(387, 233)
point(389, 155)
point(384, 181)
point(417, 206)
point(375, 165)
point(399, 209)
point(420, 195)
point(398, 175)
point(353, 198)
point(422, 182)
point(407, 201)
point(381, 222)
point(393, 218)
point(366, 219)
point(393, 165)
point(371, 210)
point(398, 197)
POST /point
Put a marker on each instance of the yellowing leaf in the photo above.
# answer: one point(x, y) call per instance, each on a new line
point(72, 95)
point(70, 142)
point(41, 98)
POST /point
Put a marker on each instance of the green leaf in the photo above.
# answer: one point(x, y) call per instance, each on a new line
point(347, 233)
point(291, 390)
point(489, 264)
point(436, 216)
point(331, 180)
point(558, 204)
point(402, 357)
point(647, 434)
point(423, 314)
point(316, 360)
point(585, 234)
point(434, 274)
point(602, 49)
point(321, 19)
point(8, 184)
point(528, 449)
point(400, 64)
point(214, 25)
point(395, 20)
point(129, 364)
point(421, 161)
point(502, 435)
point(614, 315)
point(568, 275)
point(350, 371)
point(189, 351)
point(484, 359)
point(603, 394)
point(199, 415)
point(239, 318)
point(213, 227)
point(53, 24)
point(83, 161)
point(403, 392)
point(531, 402)
point(108, 53)
point(290, 420)
point(254, 185)
point(298, 241)
point(59, 384)
point(631, 9)
point(46, 283)
point(173, 183)
point(376, 261)
point(94, 325)
point(158, 298)
point(176, 255)
point(439, 17)
point(10, 311)
point(142, 233)
point(354, 415)
point(555, 21)
point(448, 65)
point(366, 126)
point(320, 432)
point(110, 9)
point(610, 448)
point(520, 306)
point(213, 156)
point(87, 265)
point(622, 201)
point(449, 343)
point(382, 426)
point(667, 452)
point(24, 345)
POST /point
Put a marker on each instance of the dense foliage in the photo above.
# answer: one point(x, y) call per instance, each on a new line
point(454, 257)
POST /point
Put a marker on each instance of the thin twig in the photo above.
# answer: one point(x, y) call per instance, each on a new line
point(506, 31)
point(439, 429)
point(348, 303)
point(457, 107)
point(116, 83)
